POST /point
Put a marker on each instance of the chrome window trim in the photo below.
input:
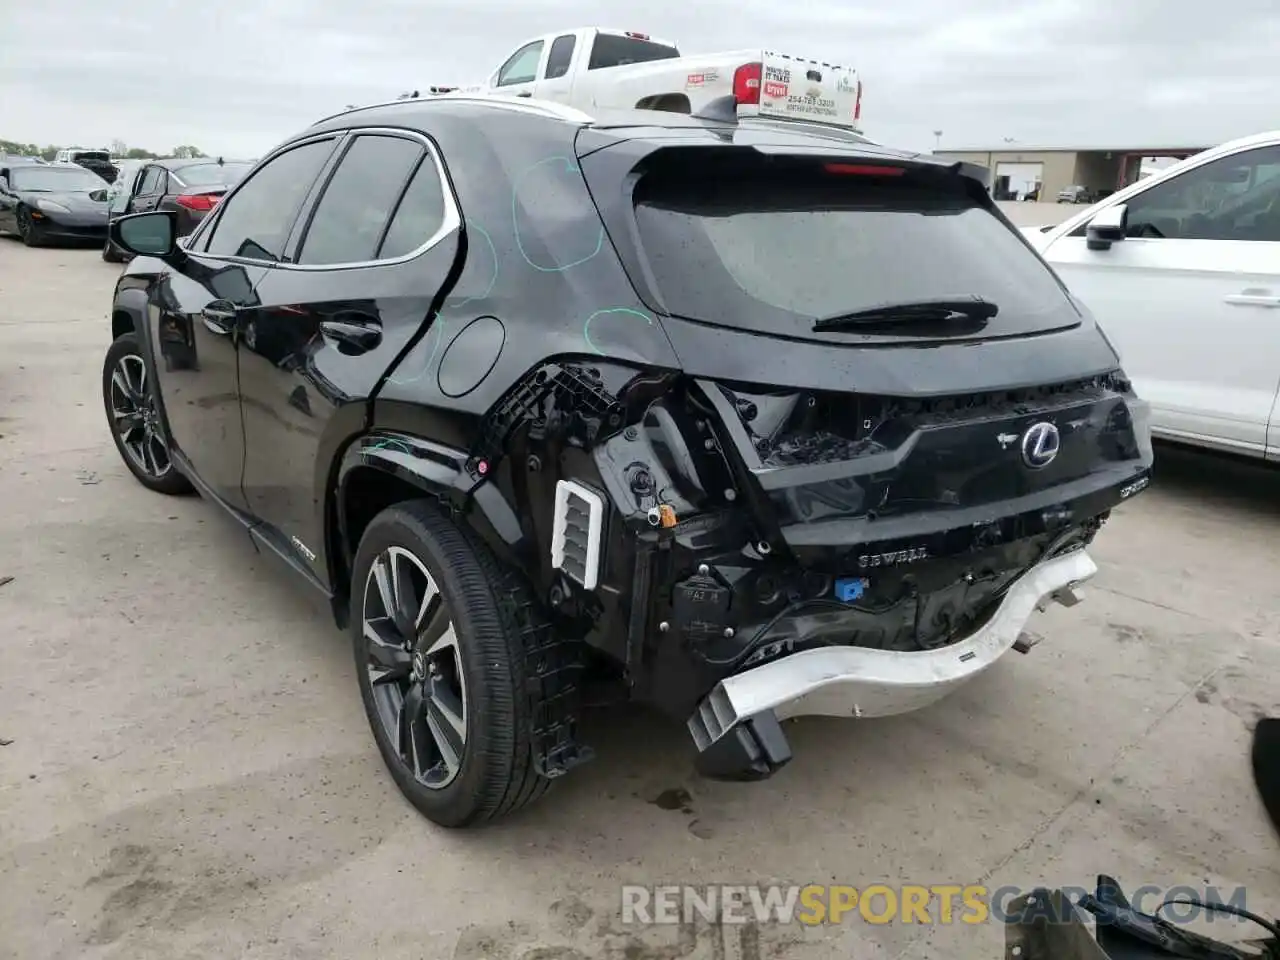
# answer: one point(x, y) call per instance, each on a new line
point(451, 221)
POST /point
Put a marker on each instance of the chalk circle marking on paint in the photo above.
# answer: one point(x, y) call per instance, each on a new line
point(399, 446)
point(437, 327)
point(586, 326)
point(569, 167)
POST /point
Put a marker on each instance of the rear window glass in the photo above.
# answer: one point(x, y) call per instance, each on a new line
point(773, 246)
point(93, 156)
point(212, 174)
point(613, 50)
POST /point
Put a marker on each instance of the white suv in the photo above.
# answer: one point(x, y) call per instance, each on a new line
point(1182, 271)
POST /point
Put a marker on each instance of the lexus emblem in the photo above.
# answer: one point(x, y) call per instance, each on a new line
point(1040, 445)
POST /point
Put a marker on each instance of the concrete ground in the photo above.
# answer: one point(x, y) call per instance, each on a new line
point(187, 771)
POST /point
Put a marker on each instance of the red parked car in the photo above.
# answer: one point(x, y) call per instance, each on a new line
point(190, 187)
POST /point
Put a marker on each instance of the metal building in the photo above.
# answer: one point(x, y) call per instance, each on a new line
point(1020, 172)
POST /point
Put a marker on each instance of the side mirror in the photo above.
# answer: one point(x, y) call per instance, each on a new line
point(146, 234)
point(1107, 227)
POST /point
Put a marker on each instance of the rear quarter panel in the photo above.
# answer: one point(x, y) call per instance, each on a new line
point(538, 260)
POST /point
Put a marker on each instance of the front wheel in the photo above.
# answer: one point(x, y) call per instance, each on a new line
point(28, 232)
point(129, 398)
point(439, 630)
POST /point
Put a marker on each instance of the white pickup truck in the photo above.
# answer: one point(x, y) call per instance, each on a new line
point(594, 67)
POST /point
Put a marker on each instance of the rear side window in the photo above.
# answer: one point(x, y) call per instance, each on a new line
point(256, 220)
point(212, 174)
point(773, 245)
point(560, 57)
point(419, 215)
point(358, 202)
point(615, 50)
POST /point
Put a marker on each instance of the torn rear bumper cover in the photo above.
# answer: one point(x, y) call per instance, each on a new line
point(736, 726)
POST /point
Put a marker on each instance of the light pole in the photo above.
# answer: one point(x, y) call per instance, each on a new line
point(937, 139)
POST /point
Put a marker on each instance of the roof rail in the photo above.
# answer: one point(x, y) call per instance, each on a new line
point(548, 108)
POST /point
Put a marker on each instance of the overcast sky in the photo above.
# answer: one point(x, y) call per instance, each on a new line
point(236, 77)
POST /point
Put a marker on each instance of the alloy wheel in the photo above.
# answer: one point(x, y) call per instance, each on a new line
point(25, 225)
point(133, 414)
point(415, 667)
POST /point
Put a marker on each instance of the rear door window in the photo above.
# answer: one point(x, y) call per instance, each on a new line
point(560, 56)
point(773, 245)
point(356, 207)
point(150, 184)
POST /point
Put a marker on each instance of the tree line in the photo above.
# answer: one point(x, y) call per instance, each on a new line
point(118, 149)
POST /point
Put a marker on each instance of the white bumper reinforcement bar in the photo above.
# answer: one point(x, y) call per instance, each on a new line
point(862, 682)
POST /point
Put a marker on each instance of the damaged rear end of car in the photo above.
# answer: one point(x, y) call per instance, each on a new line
point(890, 439)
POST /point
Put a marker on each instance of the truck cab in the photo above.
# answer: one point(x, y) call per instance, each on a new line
point(549, 66)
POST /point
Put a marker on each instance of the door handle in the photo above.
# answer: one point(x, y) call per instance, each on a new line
point(220, 316)
point(358, 336)
point(1250, 299)
point(525, 94)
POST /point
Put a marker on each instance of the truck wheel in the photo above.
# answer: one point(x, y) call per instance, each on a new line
point(439, 630)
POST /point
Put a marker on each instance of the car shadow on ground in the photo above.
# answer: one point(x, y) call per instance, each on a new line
point(1220, 480)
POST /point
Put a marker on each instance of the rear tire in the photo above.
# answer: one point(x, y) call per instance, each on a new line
point(450, 666)
point(128, 399)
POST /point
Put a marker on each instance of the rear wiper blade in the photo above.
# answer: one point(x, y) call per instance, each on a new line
point(915, 311)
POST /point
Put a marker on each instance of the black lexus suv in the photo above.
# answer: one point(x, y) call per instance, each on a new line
point(750, 419)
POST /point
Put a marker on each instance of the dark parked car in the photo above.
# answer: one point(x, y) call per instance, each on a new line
point(45, 203)
point(1078, 194)
point(750, 420)
point(98, 161)
point(190, 188)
